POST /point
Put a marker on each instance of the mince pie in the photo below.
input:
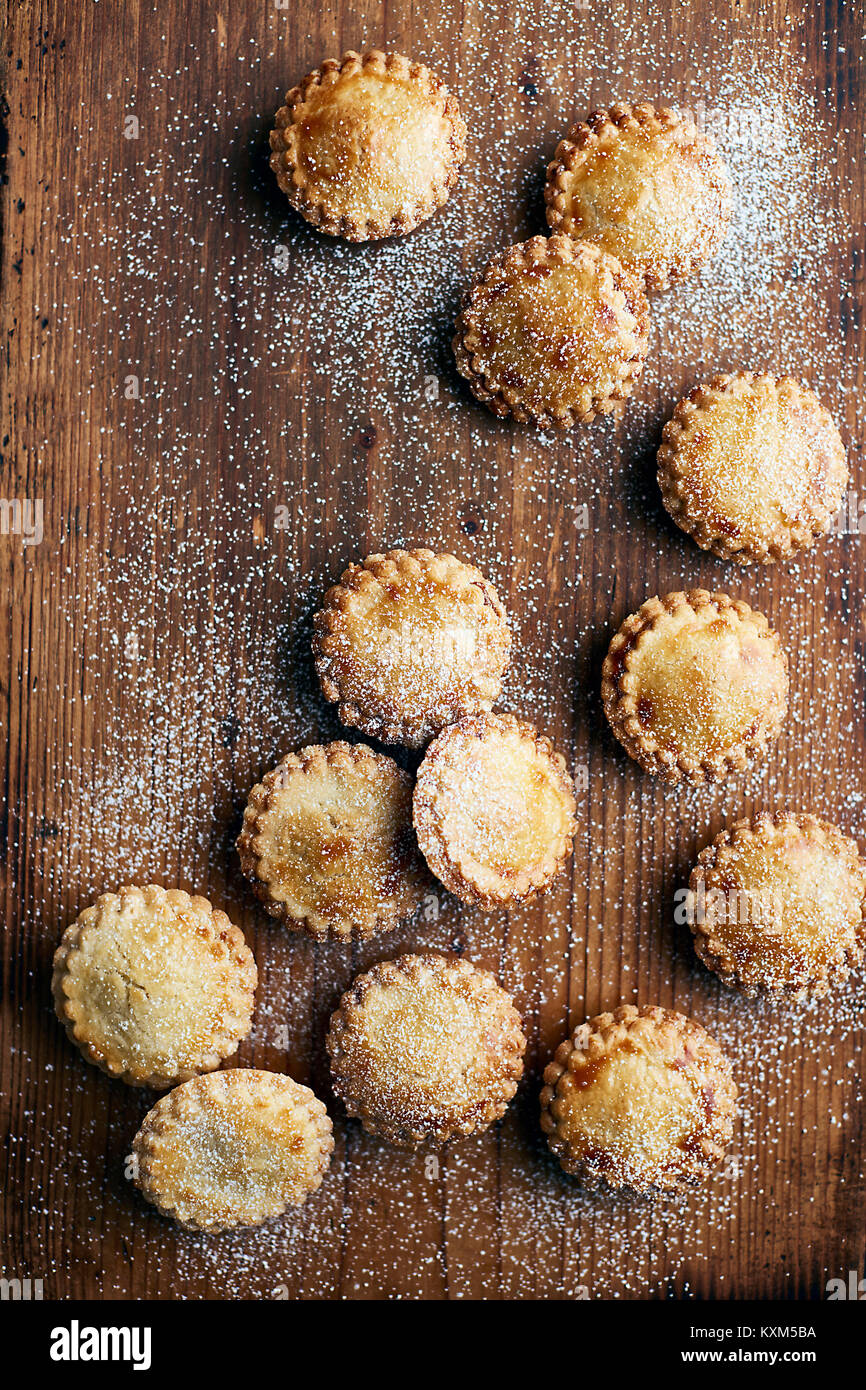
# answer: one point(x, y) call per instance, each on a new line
point(644, 184)
point(154, 986)
point(752, 467)
point(554, 333)
point(640, 1099)
point(494, 810)
point(776, 905)
point(368, 146)
point(408, 642)
point(695, 685)
point(232, 1149)
point(425, 1049)
point(327, 841)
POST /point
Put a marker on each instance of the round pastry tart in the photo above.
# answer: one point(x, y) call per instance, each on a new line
point(554, 333)
point(408, 642)
point(646, 185)
point(641, 1099)
point(752, 467)
point(426, 1048)
point(695, 685)
point(368, 147)
point(154, 985)
point(232, 1149)
point(776, 905)
point(327, 841)
point(494, 810)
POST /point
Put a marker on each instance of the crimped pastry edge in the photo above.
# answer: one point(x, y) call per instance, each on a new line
point(596, 1038)
point(306, 920)
point(622, 718)
point(590, 134)
point(297, 187)
point(158, 1121)
point(689, 518)
point(482, 1115)
point(242, 995)
point(628, 303)
point(389, 725)
point(449, 869)
point(711, 950)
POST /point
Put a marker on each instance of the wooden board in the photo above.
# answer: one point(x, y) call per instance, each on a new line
point(219, 409)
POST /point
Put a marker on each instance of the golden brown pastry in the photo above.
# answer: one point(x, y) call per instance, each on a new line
point(425, 1049)
point(641, 1099)
point(232, 1149)
point(752, 467)
point(368, 146)
point(776, 906)
point(644, 184)
point(554, 333)
point(408, 642)
point(154, 985)
point(328, 843)
point(494, 810)
point(695, 685)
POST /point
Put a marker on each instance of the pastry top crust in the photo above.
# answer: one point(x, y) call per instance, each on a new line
point(368, 146)
point(154, 985)
point(646, 185)
point(409, 641)
point(232, 1149)
point(327, 841)
point(694, 685)
point(554, 332)
point(426, 1048)
point(494, 809)
point(752, 467)
point(776, 905)
point(639, 1098)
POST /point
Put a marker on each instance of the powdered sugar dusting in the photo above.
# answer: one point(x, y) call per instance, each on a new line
point(263, 406)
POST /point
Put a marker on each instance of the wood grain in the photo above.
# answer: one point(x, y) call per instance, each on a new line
point(297, 408)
